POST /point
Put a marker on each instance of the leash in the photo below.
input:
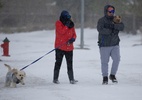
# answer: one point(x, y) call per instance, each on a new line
point(43, 56)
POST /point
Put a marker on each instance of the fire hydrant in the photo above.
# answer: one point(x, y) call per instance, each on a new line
point(5, 47)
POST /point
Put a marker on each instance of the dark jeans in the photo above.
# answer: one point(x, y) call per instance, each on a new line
point(69, 59)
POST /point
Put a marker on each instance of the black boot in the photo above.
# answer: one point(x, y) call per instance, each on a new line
point(56, 82)
point(71, 77)
point(113, 78)
point(73, 81)
point(55, 77)
point(105, 80)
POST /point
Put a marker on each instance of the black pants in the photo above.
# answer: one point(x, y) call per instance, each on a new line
point(69, 59)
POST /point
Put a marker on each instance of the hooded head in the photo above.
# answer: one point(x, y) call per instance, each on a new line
point(64, 16)
point(108, 8)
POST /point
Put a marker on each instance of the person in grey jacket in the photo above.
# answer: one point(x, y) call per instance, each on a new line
point(108, 41)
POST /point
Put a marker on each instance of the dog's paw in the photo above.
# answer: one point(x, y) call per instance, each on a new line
point(23, 83)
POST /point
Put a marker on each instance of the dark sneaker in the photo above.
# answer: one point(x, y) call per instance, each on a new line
point(56, 82)
point(113, 78)
point(105, 80)
point(73, 81)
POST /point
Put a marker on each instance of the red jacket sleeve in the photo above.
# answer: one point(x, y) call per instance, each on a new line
point(74, 34)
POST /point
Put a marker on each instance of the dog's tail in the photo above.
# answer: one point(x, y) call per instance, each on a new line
point(9, 68)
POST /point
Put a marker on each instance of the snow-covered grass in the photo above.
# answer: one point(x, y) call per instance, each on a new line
point(27, 47)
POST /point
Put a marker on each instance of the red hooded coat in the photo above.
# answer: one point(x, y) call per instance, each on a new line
point(63, 34)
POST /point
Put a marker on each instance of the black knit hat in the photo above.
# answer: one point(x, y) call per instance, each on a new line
point(64, 16)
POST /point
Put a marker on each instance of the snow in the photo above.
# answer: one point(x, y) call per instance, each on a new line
point(29, 46)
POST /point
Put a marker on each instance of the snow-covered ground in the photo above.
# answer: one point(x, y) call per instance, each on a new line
point(27, 47)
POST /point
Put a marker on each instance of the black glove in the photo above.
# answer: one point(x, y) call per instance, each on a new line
point(109, 26)
point(69, 24)
point(70, 41)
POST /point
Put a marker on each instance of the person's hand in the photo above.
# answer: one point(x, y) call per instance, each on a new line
point(70, 41)
point(109, 26)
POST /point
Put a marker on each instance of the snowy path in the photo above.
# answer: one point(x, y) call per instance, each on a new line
point(27, 47)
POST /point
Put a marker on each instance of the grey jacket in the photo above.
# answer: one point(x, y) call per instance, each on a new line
point(11, 77)
point(108, 37)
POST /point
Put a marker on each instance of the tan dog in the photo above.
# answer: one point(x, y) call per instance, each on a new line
point(14, 76)
point(117, 19)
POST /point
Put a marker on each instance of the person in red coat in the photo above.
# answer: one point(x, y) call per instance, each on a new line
point(65, 36)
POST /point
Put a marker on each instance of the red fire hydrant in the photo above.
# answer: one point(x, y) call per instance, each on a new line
point(5, 47)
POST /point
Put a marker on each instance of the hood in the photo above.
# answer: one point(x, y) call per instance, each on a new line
point(105, 9)
point(64, 16)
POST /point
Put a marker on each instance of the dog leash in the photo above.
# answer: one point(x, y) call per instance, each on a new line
point(43, 56)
